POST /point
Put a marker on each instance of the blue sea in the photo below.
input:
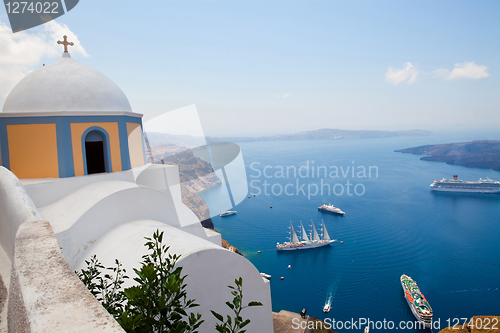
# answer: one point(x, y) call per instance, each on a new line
point(448, 242)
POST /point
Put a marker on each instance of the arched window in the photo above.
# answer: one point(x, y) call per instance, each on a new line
point(96, 156)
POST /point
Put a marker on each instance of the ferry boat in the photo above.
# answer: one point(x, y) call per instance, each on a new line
point(315, 240)
point(456, 185)
point(228, 212)
point(416, 301)
point(331, 208)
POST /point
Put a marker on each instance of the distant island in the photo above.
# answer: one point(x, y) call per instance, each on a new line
point(156, 139)
point(474, 154)
point(326, 134)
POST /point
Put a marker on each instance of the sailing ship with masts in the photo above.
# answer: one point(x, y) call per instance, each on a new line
point(307, 242)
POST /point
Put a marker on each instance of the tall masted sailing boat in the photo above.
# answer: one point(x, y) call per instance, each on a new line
point(314, 241)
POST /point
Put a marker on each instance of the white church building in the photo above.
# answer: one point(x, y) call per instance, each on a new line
point(74, 183)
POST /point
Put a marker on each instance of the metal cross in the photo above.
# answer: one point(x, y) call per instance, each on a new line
point(65, 43)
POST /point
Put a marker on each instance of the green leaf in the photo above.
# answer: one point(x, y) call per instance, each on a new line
point(245, 323)
point(218, 316)
point(230, 305)
point(254, 303)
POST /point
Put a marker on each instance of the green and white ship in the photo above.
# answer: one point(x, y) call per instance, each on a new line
point(418, 304)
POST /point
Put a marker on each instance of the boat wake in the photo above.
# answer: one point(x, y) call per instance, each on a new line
point(471, 290)
point(332, 290)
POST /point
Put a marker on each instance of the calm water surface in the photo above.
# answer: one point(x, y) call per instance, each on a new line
point(449, 243)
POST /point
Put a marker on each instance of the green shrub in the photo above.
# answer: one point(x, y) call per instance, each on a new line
point(236, 324)
point(108, 288)
point(158, 303)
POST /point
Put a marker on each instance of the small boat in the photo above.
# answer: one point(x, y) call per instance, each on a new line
point(367, 329)
point(289, 266)
point(248, 196)
point(327, 308)
point(228, 212)
point(267, 276)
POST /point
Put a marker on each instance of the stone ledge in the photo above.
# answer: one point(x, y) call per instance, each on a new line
point(45, 294)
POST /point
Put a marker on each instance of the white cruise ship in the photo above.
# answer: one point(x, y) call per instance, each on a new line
point(332, 209)
point(456, 185)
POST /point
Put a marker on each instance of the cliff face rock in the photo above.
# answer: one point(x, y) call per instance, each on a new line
point(229, 247)
point(475, 154)
point(195, 176)
point(476, 324)
point(291, 322)
point(197, 205)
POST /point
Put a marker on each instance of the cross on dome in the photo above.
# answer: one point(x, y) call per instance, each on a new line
point(65, 43)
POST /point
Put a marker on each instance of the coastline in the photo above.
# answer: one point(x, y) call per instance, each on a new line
point(484, 154)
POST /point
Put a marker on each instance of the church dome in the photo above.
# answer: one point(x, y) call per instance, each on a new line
point(66, 86)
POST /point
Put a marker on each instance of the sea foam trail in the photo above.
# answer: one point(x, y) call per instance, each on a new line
point(332, 290)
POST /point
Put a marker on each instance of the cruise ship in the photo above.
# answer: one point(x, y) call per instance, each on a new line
point(416, 301)
point(311, 242)
point(456, 185)
point(331, 208)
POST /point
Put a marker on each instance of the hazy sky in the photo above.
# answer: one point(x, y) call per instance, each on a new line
point(267, 67)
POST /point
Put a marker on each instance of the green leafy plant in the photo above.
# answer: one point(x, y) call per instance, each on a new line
point(158, 303)
point(236, 324)
point(106, 288)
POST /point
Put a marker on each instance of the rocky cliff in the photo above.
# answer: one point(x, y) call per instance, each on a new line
point(195, 176)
